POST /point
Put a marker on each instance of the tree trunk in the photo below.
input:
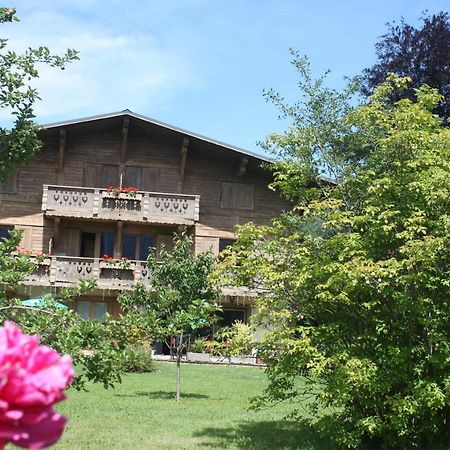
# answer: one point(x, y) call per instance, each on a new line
point(178, 374)
point(179, 351)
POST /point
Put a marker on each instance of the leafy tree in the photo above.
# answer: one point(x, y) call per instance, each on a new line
point(422, 53)
point(20, 143)
point(182, 298)
point(357, 276)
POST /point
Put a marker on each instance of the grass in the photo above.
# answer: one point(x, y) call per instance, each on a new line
point(141, 413)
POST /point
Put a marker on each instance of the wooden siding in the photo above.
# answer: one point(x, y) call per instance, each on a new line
point(153, 159)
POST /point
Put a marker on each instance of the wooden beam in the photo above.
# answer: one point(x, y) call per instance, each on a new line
point(56, 233)
point(242, 167)
point(119, 239)
point(124, 146)
point(62, 148)
point(182, 165)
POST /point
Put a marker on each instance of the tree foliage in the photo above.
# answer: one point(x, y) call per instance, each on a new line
point(357, 276)
point(17, 71)
point(182, 297)
point(422, 53)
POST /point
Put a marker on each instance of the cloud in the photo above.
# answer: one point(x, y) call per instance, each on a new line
point(115, 70)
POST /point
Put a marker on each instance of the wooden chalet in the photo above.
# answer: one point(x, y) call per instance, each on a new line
point(62, 203)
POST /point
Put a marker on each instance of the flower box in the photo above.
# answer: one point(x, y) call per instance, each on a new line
point(121, 196)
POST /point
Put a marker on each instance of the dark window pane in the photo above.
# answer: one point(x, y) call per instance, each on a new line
point(144, 244)
point(87, 247)
point(229, 316)
point(225, 243)
point(107, 244)
point(83, 309)
point(4, 231)
point(100, 309)
point(129, 246)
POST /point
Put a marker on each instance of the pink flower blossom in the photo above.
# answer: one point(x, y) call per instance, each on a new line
point(32, 379)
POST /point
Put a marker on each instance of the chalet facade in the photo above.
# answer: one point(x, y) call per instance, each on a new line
point(72, 205)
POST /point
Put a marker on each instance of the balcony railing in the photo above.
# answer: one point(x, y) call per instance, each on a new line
point(150, 207)
point(67, 271)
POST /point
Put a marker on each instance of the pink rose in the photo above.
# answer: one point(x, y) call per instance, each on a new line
point(32, 379)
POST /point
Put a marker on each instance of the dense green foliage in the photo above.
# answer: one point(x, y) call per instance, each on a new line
point(182, 298)
point(423, 54)
point(357, 276)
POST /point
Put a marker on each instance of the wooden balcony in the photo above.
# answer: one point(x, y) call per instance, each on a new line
point(97, 203)
point(66, 271)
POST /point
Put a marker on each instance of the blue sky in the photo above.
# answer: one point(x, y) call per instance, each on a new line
point(198, 64)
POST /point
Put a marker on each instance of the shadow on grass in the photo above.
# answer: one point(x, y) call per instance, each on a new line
point(265, 435)
point(161, 395)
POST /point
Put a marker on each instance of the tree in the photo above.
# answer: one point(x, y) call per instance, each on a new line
point(357, 276)
point(422, 53)
point(20, 143)
point(182, 298)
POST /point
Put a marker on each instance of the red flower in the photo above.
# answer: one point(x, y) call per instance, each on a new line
point(32, 379)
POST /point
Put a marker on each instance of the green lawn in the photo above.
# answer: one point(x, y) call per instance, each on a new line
point(141, 413)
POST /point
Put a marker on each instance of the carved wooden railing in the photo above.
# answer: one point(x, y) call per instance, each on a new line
point(151, 207)
point(68, 270)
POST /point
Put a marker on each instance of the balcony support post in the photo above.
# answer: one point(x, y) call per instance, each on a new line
point(119, 238)
point(56, 232)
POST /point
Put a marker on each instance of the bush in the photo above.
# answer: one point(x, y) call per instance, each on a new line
point(137, 359)
point(236, 340)
point(198, 346)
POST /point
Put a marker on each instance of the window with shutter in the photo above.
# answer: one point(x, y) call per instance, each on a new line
point(237, 196)
point(133, 177)
point(101, 175)
point(110, 176)
point(150, 179)
point(92, 175)
point(144, 178)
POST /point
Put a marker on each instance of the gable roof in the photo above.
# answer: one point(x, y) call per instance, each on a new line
point(127, 112)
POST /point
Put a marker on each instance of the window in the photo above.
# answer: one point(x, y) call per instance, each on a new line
point(87, 247)
point(228, 316)
point(144, 178)
point(101, 175)
point(129, 246)
point(225, 243)
point(89, 310)
point(9, 186)
point(4, 231)
point(137, 247)
point(237, 196)
point(145, 243)
point(107, 243)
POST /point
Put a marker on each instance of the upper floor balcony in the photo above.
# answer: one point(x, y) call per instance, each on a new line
point(138, 206)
